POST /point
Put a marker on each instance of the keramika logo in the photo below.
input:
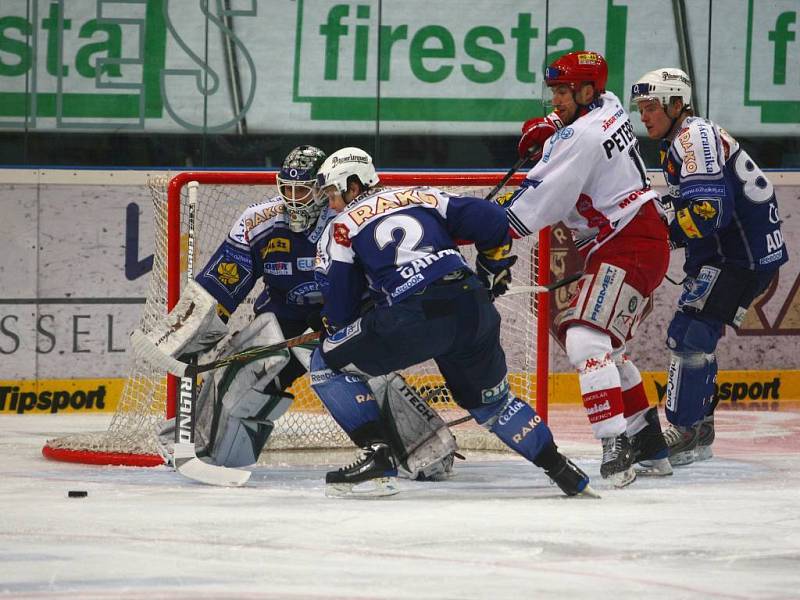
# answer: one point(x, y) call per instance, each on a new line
point(429, 62)
point(14, 399)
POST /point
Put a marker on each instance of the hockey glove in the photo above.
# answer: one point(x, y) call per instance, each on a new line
point(535, 132)
point(494, 274)
point(666, 209)
point(314, 320)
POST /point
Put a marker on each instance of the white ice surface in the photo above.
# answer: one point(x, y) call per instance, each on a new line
point(725, 528)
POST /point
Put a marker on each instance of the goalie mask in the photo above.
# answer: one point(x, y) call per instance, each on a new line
point(343, 164)
point(662, 85)
point(297, 186)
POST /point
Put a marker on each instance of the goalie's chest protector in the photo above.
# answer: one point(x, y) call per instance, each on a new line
point(287, 261)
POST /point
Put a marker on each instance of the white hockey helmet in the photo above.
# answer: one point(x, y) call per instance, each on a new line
point(662, 85)
point(343, 164)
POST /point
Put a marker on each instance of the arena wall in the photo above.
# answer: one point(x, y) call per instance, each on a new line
point(77, 248)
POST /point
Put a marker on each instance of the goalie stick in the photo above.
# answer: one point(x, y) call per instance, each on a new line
point(184, 456)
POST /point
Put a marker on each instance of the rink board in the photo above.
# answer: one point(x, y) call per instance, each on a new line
point(752, 390)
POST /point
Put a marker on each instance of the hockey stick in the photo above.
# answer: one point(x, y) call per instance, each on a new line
point(537, 289)
point(184, 455)
point(514, 168)
point(180, 368)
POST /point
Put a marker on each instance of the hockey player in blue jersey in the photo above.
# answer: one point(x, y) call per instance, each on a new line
point(273, 241)
point(397, 247)
point(722, 210)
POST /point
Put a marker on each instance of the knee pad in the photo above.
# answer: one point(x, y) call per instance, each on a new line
point(584, 343)
point(687, 333)
point(692, 369)
point(517, 425)
point(347, 397)
point(629, 375)
point(590, 352)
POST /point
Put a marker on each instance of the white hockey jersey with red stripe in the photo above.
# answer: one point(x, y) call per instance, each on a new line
point(590, 176)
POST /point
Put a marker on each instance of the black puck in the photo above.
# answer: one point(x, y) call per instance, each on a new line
point(77, 494)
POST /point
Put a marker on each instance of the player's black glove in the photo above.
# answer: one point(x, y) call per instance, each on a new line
point(666, 209)
point(495, 274)
point(314, 320)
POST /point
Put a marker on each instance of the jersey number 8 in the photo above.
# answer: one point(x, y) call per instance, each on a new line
point(757, 188)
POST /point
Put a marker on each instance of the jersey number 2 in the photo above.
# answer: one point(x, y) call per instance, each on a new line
point(406, 247)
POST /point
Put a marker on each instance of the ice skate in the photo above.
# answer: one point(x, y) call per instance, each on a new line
point(705, 438)
point(372, 475)
point(570, 478)
point(682, 443)
point(650, 451)
point(617, 464)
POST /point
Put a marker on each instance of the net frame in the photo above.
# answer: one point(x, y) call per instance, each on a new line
point(127, 447)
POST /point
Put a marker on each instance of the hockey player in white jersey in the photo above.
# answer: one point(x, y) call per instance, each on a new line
point(591, 177)
point(722, 210)
point(398, 245)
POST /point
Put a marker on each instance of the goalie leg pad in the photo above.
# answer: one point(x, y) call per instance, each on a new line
point(517, 425)
point(693, 368)
point(238, 406)
point(420, 439)
point(347, 397)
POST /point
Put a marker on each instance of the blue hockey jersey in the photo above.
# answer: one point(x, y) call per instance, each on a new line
point(260, 245)
point(725, 207)
point(392, 243)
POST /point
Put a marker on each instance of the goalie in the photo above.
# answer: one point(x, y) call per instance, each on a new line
point(274, 240)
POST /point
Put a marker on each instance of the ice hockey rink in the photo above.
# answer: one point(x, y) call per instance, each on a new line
point(728, 528)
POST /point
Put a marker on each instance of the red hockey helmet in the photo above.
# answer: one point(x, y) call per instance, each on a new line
point(576, 68)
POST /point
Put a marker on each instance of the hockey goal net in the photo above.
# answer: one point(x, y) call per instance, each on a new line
point(148, 395)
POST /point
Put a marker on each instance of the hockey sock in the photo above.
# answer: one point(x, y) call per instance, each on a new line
point(517, 425)
point(348, 398)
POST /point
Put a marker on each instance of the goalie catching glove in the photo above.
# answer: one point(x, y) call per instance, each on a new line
point(191, 327)
point(493, 267)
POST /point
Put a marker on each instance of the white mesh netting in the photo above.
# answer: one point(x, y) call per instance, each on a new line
point(131, 439)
